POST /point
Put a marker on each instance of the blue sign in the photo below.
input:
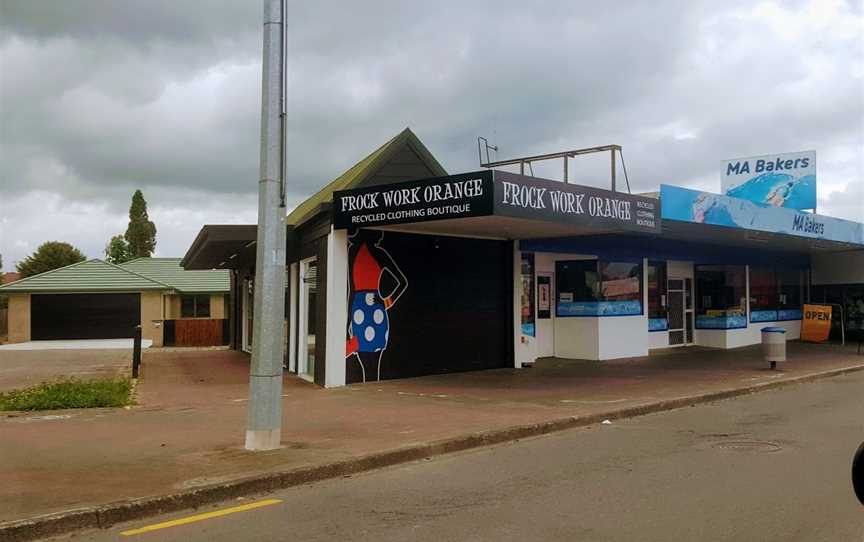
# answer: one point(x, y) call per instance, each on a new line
point(688, 205)
point(778, 180)
point(598, 308)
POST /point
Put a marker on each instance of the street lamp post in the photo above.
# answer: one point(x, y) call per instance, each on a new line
point(264, 421)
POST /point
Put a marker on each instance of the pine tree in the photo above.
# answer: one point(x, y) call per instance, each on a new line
point(48, 256)
point(117, 250)
point(141, 233)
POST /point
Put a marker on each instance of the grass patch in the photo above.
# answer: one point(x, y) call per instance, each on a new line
point(69, 393)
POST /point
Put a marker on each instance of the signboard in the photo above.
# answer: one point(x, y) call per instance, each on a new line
point(544, 296)
point(777, 180)
point(519, 196)
point(816, 325)
point(456, 196)
point(688, 205)
point(494, 193)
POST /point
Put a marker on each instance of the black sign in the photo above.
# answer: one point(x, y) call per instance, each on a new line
point(498, 193)
point(440, 198)
point(541, 199)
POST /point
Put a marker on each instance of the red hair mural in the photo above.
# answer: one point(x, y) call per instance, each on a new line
point(369, 321)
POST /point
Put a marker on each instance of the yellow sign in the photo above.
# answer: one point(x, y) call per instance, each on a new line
point(816, 324)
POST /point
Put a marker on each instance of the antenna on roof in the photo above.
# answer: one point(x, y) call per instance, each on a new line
point(481, 143)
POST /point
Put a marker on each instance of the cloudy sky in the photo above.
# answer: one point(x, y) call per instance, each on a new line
point(98, 98)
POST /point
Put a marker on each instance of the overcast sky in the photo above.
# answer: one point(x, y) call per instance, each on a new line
point(98, 98)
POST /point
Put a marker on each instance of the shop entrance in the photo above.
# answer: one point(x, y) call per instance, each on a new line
point(680, 311)
point(308, 317)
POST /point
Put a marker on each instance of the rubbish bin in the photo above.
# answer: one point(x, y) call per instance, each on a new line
point(774, 345)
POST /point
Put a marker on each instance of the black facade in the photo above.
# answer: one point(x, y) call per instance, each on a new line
point(424, 305)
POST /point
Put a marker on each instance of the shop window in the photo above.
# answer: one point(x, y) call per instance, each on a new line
point(853, 308)
point(598, 288)
point(195, 306)
point(790, 285)
point(657, 320)
point(721, 301)
point(763, 294)
point(775, 294)
point(528, 295)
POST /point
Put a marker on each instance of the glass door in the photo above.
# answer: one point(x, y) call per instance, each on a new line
point(308, 317)
point(680, 311)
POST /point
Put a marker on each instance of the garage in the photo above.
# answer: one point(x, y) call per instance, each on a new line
point(84, 316)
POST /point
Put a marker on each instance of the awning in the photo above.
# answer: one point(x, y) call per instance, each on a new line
point(497, 205)
point(221, 247)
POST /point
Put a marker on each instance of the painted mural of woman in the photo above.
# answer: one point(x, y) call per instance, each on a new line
point(368, 305)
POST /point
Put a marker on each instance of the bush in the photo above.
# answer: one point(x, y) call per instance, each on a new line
point(69, 393)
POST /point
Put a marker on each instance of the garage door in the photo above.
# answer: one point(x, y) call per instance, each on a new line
point(84, 316)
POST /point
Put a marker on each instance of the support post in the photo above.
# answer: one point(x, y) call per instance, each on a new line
point(566, 170)
point(136, 352)
point(612, 156)
point(264, 416)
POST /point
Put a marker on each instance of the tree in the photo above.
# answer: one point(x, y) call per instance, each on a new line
point(141, 233)
point(117, 250)
point(48, 256)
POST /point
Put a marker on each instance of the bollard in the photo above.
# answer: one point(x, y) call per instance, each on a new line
point(136, 352)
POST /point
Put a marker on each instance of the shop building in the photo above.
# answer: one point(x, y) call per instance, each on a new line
point(419, 273)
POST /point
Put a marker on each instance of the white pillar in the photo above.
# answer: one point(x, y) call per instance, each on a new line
point(337, 308)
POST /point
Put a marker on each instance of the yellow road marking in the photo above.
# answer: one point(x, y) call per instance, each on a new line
point(201, 517)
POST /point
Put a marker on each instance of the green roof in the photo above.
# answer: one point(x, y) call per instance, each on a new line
point(142, 274)
point(168, 271)
point(87, 276)
point(366, 169)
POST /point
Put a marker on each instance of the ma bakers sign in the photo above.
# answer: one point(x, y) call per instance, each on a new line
point(489, 193)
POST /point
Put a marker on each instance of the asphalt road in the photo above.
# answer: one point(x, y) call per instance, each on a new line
point(771, 466)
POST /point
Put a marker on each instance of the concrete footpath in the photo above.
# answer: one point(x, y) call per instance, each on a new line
point(181, 446)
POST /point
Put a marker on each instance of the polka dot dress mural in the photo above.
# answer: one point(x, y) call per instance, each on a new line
point(376, 285)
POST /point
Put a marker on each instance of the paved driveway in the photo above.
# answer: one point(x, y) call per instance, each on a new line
point(88, 344)
point(21, 368)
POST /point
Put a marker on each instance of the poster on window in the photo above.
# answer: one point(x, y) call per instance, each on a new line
point(528, 295)
point(544, 297)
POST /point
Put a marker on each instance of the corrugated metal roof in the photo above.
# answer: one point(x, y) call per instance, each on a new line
point(87, 276)
point(168, 271)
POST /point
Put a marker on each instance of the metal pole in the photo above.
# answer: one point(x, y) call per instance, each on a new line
point(264, 421)
point(136, 352)
point(565, 169)
point(612, 155)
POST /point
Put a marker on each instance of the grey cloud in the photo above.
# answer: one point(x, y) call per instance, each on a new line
point(105, 97)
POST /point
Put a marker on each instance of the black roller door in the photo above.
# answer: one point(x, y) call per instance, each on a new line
point(455, 314)
point(84, 316)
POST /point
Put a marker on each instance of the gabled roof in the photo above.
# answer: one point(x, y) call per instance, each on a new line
point(168, 271)
point(87, 276)
point(403, 158)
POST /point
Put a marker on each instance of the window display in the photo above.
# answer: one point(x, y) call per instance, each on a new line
point(598, 288)
point(657, 318)
point(721, 301)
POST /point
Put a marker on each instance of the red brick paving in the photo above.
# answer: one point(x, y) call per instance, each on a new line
point(188, 427)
